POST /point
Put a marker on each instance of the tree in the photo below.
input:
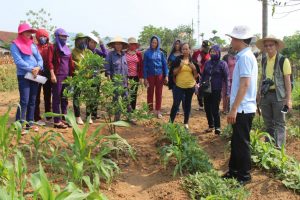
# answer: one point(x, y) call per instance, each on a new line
point(202, 36)
point(40, 19)
point(214, 32)
point(167, 36)
point(292, 50)
point(95, 33)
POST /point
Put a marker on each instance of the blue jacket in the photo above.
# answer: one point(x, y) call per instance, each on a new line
point(25, 63)
point(155, 61)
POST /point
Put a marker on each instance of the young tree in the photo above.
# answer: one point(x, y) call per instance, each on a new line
point(40, 19)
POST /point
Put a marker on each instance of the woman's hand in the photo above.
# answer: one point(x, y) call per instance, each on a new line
point(146, 83)
point(166, 80)
point(35, 71)
point(53, 78)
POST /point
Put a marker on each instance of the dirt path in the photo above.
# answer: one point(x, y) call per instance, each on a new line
point(147, 179)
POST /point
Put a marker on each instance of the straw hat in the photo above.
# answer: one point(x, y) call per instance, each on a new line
point(93, 37)
point(117, 39)
point(260, 42)
point(132, 40)
point(241, 32)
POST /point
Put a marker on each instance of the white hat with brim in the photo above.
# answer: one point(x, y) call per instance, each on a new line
point(241, 33)
point(93, 37)
point(260, 42)
point(119, 40)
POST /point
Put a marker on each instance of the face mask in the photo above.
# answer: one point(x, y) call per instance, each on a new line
point(62, 41)
point(43, 40)
point(214, 57)
point(82, 46)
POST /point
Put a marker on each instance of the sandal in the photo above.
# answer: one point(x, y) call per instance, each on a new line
point(208, 130)
point(60, 125)
point(66, 123)
point(35, 128)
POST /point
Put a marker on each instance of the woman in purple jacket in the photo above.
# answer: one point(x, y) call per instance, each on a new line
point(215, 71)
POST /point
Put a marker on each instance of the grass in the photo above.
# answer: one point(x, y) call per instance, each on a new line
point(8, 78)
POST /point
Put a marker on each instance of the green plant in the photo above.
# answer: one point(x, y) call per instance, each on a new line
point(45, 191)
point(10, 136)
point(210, 185)
point(265, 154)
point(96, 90)
point(184, 149)
point(226, 133)
point(294, 131)
point(258, 123)
point(90, 153)
point(16, 180)
point(8, 78)
point(41, 142)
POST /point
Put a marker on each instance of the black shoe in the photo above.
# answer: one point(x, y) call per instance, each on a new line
point(244, 182)
point(228, 175)
point(217, 131)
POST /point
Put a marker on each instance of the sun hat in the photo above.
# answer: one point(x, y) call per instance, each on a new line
point(132, 40)
point(260, 42)
point(241, 32)
point(117, 39)
point(80, 35)
point(25, 27)
point(93, 37)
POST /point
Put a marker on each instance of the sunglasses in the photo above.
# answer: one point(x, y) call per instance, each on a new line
point(269, 45)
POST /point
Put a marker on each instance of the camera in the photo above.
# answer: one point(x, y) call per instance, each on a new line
point(266, 84)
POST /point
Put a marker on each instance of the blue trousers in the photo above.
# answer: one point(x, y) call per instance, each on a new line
point(28, 91)
point(185, 95)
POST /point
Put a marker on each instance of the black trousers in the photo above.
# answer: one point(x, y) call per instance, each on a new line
point(240, 157)
point(211, 107)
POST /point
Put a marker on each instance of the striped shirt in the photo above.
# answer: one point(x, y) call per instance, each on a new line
point(132, 62)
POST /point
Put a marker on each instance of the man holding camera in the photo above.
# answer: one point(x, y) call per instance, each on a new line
point(275, 89)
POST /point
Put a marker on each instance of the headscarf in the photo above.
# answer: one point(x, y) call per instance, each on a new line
point(217, 49)
point(62, 47)
point(22, 42)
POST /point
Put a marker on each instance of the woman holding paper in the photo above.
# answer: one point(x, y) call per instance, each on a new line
point(28, 60)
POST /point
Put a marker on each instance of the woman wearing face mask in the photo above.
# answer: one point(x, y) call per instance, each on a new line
point(92, 42)
point(185, 73)
point(42, 37)
point(215, 71)
point(77, 54)
point(61, 66)
point(135, 67)
point(27, 59)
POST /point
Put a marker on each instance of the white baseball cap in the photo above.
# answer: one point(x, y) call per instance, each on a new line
point(93, 37)
point(241, 32)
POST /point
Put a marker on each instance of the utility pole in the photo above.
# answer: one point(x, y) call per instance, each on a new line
point(198, 22)
point(264, 18)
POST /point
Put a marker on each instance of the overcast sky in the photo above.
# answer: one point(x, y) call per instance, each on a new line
point(127, 17)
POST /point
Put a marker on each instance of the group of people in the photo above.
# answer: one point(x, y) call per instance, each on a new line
point(203, 72)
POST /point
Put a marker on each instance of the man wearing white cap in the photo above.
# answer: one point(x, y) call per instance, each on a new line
point(275, 90)
point(242, 105)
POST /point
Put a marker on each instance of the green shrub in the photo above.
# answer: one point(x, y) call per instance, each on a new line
point(8, 78)
point(210, 185)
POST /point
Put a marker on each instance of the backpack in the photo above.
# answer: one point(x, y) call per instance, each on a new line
point(281, 63)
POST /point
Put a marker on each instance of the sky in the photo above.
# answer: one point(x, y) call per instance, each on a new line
point(128, 17)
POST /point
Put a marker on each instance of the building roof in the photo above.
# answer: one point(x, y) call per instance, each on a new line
point(7, 37)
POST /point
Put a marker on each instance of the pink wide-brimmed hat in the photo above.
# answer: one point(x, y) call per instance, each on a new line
point(25, 27)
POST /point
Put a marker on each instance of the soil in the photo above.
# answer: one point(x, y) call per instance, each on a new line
point(146, 178)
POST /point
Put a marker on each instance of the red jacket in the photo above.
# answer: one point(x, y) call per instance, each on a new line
point(54, 60)
point(204, 58)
